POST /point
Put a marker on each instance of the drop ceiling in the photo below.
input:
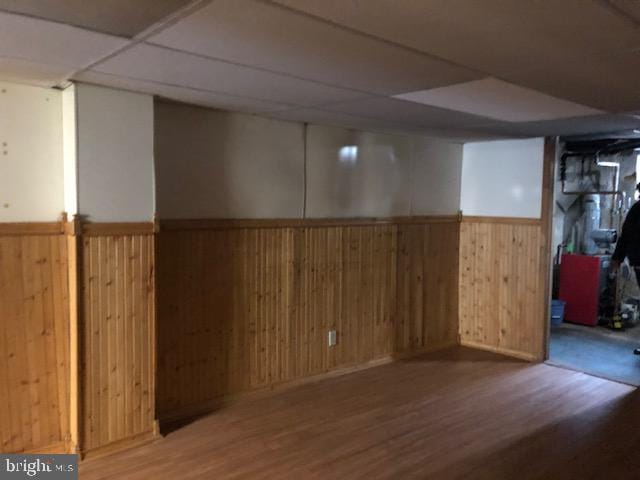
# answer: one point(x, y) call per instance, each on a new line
point(461, 70)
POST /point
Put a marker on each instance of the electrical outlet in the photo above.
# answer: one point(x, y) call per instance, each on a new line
point(333, 338)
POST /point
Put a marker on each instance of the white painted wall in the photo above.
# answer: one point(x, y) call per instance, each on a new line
point(114, 155)
point(31, 165)
point(436, 170)
point(352, 173)
point(503, 178)
point(215, 164)
point(70, 139)
point(357, 174)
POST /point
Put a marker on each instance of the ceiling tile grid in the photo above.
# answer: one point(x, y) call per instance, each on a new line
point(159, 64)
point(183, 94)
point(451, 68)
point(497, 36)
point(286, 42)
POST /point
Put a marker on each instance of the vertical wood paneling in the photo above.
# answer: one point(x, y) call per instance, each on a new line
point(34, 343)
point(117, 370)
point(427, 312)
point(241, 308)
point(501, 302)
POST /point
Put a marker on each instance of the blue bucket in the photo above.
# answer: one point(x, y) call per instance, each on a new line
point(557, 311)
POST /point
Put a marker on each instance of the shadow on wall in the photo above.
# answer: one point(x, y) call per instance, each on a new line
point(187, 152)
point(215, 164)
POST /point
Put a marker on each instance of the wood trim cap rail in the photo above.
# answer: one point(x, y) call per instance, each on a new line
point(148, 228)
point(506, 220)
point(118, 228)
point(31, 228)
point(223, 223)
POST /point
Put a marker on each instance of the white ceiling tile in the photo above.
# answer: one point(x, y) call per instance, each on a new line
point(117, 17)
point(408, 113)
point(39, 41)
point(496, 36)
point(507, 39)
point(572, 126)
point(198, 97)
point(147, 62)
point(500, 100)
point(608, 82)
point(21, 71)
point(267, 36)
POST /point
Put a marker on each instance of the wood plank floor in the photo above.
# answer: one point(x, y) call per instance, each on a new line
point(453, 414)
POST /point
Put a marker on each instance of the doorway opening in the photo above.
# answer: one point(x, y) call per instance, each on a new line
point(595, 317)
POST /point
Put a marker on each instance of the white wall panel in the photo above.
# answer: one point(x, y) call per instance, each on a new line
point(357, 174)
point(115, 154)
point(31, 165)
point(70, 140)
point(503, 178)
point(435, 177)
point(215, 164)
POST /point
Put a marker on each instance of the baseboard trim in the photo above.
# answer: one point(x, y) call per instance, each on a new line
point(191, 412)
point(529, 357)
point(122, 444)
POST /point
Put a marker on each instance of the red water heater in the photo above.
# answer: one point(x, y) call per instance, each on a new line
point(581, 282)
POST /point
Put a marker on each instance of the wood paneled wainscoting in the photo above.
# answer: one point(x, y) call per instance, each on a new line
point(34, 338)
point(115, 314)
point(244, 305)
point(502, 294)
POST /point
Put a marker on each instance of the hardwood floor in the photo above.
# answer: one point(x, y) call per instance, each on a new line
point(452, 414)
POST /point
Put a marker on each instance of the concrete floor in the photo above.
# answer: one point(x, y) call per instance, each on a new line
point(597, 351)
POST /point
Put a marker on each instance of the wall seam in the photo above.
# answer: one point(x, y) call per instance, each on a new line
point(304, 169)
point(76, 127)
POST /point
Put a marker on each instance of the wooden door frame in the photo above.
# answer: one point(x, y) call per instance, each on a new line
point(546, 228)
